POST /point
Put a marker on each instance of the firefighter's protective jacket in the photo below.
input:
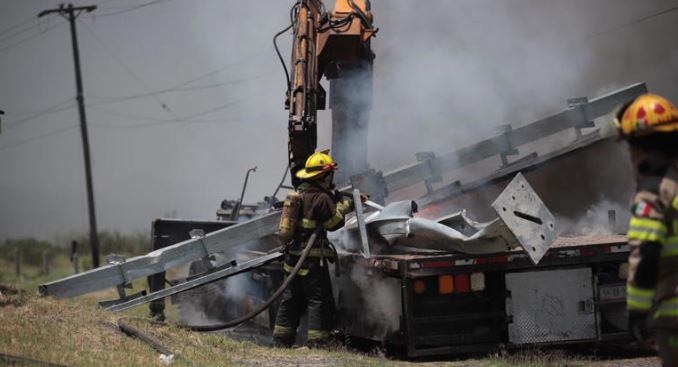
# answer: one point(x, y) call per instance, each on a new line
point(318, 209)
point(653, 239)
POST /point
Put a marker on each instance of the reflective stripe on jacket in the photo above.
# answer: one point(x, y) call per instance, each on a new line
point(652, 277)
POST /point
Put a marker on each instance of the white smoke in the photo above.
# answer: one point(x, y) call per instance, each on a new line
point(596, 220)
point(380, 299)
point(446, 73)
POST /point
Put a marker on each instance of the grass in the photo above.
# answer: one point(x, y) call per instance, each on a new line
point(76, 332)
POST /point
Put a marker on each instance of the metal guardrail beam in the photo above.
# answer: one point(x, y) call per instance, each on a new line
point(193, 283)
point(457, 188)
point(163, 259)
point(578, 116)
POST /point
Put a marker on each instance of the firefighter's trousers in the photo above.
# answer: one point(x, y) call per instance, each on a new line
point(668, 346)
point(310, 291)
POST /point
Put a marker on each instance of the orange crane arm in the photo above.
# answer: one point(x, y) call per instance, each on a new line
point(325, 43)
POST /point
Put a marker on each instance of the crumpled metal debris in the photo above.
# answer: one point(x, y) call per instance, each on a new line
point(528, 224)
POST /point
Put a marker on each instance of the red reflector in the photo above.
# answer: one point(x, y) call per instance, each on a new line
point(584, 252)
point(436, 264)
point(461, 283)
point(492, 260)
point(500, 259)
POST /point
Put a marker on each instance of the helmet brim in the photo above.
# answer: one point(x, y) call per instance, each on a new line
point(305, 175)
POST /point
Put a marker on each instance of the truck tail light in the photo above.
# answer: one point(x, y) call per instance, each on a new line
point(461, 283)
point(419, 286)
point(445, 284)
point(477, 282)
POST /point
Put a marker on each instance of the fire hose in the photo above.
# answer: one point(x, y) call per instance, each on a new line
point(131, 331)
point(266, 304)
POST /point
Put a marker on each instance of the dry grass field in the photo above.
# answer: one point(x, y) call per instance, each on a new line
point(76, 332)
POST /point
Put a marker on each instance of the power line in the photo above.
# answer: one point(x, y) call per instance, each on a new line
point(5, 35)
point(27, 26)
point(30, 140)
point(636, 21)
point(127, 69)
point(113, 99)
point(104, 2)
point(128, 115)
point(33, 112)
point(183, 122)
point(46, 111)
point(126, 9)
point(188, 119)
point(216, 71)
point(26, 39)
point(180, 86)
point(211, 110)
point(20, 24)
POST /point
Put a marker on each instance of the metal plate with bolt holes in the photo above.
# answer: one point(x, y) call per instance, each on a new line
point(527, 217)
point(542, 313)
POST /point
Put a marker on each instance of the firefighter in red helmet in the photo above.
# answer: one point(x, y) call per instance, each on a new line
point(650, 125)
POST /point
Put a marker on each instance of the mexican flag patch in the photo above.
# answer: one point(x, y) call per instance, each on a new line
point(642, 209)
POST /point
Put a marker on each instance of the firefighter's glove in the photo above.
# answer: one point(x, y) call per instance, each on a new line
point(638, 321)
point(338, 196)
point(345, 206)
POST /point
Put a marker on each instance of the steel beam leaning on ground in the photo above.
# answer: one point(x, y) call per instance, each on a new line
point(570, 118)
point(193, 283)
point(163, 259)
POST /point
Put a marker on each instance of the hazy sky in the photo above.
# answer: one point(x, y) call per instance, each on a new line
point(446, 72)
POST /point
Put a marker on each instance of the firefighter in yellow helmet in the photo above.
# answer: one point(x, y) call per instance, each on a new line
point(650, 125)
point(311, 291)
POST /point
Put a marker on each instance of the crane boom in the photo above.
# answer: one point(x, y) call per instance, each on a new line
point(334, 44)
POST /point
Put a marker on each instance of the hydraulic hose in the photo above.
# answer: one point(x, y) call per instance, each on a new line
point(268, 303)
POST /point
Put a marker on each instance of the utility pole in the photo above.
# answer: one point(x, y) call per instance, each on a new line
point(71, 13)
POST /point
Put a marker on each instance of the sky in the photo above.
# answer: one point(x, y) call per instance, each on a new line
point(184, 96)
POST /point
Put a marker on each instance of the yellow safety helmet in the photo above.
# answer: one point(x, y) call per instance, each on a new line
point(647, 114)
point(317, 164)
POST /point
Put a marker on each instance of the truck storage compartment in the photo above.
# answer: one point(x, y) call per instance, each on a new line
point(550, 306)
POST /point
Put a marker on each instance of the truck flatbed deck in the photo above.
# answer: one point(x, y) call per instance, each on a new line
point(458, 303)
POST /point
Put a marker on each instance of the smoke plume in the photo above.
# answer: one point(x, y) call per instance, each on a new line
point(445, 74)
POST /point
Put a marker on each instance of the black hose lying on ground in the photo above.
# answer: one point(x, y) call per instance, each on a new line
point(268, 303)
